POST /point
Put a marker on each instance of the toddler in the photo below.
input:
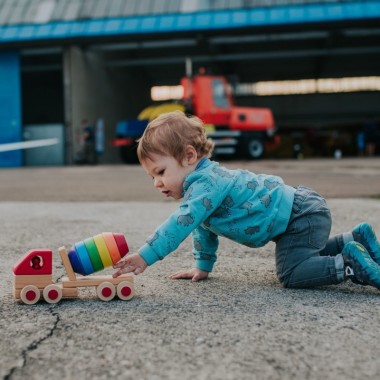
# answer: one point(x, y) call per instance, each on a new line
point(251, 209)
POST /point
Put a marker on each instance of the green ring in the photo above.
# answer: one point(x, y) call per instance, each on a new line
point(94, 254)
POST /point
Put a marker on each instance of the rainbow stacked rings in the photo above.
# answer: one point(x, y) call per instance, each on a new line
point(98, 252)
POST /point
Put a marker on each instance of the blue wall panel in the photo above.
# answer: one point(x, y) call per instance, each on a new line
point(10, 107)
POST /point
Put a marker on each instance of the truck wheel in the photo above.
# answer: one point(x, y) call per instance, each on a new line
point(125, 290)
point(106, 291)
point(254, 148)
point(128, 154)
point(30, 294)
point(52, 293)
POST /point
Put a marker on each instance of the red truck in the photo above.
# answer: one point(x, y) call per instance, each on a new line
point(240, 131)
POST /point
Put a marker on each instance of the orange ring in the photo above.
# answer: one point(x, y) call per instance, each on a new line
point(112, 246)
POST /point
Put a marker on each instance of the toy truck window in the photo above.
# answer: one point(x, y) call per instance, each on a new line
point(36, 262)
point(219, 94)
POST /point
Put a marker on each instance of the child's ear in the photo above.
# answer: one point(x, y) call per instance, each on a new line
point(191, 155)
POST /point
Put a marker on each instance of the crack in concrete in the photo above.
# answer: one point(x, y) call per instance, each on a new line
point(34, 345)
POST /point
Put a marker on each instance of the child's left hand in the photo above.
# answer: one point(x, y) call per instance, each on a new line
point(192, 274)
point(131, 263)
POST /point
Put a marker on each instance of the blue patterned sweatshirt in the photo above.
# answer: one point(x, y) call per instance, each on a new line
point(245, 207)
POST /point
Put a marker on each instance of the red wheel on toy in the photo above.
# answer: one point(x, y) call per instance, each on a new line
point(106, 291)
point(125, 290)
point(30, 294)
point(52, 293)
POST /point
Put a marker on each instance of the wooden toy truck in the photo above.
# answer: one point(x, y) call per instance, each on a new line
point(33, 280)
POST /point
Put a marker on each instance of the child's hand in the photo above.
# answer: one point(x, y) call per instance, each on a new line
point(131, 263)
point(194, 274)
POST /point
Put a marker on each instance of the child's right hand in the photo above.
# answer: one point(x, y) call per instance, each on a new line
point(131, 263)
point(192, 274)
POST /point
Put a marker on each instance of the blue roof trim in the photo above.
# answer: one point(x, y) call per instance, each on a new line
point(223, 19)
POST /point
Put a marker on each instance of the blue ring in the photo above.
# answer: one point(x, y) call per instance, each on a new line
point(84, 258)
point(75, 262)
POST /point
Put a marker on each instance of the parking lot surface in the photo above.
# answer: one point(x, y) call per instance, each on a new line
point(239, 324)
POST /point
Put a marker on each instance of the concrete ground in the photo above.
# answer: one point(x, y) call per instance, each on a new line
point(240, 324)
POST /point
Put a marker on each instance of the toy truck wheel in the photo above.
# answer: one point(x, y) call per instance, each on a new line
point(52, 293)
point(254, 148)
point(106, 291)
point(125, 290)
point(30, 294)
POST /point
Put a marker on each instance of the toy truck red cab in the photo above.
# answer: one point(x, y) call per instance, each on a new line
point(34, 263)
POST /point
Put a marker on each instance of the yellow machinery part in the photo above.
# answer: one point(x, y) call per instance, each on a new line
point(146, 112)
point(152, 112)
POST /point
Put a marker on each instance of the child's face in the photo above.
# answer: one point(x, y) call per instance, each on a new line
point(168, 174)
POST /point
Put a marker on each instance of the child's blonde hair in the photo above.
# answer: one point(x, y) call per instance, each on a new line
point(170, 133)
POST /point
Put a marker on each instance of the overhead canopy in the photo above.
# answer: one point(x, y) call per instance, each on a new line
point(50, 19)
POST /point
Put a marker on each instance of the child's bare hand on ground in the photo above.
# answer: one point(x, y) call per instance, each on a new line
point(193, 274)
point(133, 263)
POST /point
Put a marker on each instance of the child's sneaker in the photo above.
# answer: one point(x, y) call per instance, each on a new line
point(365, 235)
point(359, 266)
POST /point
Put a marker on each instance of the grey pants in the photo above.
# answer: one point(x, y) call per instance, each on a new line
point(305, 256)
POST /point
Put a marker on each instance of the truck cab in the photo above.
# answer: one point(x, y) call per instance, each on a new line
point(208, 97)
point(236, 129)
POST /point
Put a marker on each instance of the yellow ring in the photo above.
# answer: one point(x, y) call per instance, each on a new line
point(103, 250)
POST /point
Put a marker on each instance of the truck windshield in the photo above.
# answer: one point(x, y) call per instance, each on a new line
point(219, 94)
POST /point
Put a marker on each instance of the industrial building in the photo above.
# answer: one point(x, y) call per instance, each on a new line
point(316, 64)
